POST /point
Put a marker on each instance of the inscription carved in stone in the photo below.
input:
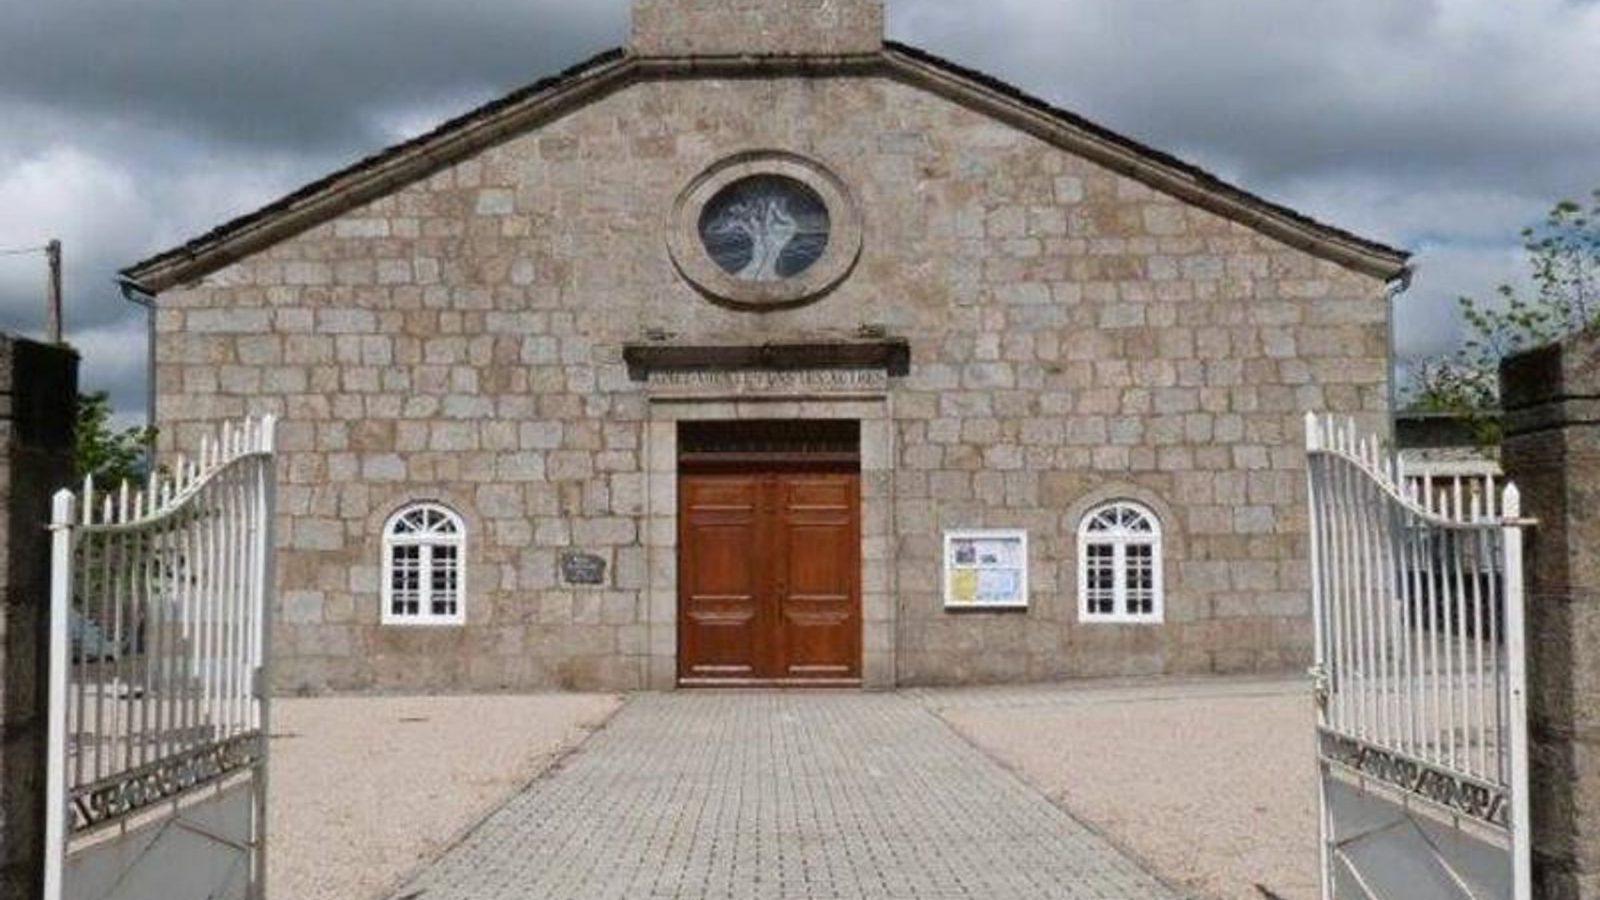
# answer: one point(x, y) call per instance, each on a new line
point(759, 381)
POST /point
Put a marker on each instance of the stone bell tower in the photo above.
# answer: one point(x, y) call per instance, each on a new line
point(679, 28)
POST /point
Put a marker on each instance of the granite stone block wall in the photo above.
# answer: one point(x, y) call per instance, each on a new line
point(1552, 451)
point(763, 27)
point(38, 395)
point(1075, 336)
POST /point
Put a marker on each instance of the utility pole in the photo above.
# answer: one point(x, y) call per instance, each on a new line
point(52, 252)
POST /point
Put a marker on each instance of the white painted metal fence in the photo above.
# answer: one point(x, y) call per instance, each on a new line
point(1422, 735)
point(1434, 482)
point(158, 659)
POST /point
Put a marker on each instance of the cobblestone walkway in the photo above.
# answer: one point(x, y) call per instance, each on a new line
point(780, 796)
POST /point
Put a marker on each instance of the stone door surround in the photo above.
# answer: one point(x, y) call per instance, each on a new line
point(747, 394)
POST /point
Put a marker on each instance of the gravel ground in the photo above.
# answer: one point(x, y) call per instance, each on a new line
point(365, 789)
point(1212, 783)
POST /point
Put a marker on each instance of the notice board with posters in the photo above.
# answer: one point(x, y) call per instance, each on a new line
point(985, 569)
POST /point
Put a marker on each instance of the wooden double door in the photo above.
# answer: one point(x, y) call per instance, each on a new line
point(769, 576)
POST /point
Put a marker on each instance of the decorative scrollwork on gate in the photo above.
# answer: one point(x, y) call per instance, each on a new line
point(136, 789)
point(1450, 790)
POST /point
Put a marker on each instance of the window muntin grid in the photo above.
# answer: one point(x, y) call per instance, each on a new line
point(1119, 564)
point(423, 577)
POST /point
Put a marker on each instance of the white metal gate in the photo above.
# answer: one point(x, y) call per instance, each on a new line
point(1422, 724)
point(158, 702)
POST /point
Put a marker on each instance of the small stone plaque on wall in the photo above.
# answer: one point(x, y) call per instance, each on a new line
point(579, 568)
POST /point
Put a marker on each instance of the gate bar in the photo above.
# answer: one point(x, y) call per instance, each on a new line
point(1517, 678)
point(62, 514)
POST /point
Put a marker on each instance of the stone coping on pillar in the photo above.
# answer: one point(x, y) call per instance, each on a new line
point(1552, 384)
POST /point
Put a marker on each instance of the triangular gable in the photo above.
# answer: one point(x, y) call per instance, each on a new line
point(530, 107)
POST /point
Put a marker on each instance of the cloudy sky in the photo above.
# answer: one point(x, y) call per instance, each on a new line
point(1443, 126)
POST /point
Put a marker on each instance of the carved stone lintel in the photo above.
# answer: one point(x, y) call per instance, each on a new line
point(889, 356)
point(757, 382)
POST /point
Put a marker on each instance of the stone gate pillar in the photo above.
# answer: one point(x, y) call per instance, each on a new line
point(38, 402)
point(1552, 450)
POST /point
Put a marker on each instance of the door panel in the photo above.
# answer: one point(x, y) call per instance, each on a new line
point(769, 576)
point(720, 621)
point(819, 567)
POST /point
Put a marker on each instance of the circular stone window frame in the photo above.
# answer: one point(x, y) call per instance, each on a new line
point(694, 263)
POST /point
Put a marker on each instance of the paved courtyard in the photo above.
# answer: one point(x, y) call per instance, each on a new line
point(782, 796)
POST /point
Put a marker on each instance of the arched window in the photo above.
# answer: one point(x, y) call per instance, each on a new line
point(1119, 564)
point(424, 571)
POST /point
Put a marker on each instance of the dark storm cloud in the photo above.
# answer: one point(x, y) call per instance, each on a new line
point(1441, 125)
point(131, 126)
point(1276, 89)
point(290, 74)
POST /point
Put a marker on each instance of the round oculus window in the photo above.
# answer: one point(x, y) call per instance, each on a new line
point(765, 228)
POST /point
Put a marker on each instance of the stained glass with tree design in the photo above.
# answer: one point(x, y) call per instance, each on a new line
point(765, 228)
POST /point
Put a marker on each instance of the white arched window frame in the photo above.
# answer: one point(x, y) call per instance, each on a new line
point(424, 566)
point(1119, 564)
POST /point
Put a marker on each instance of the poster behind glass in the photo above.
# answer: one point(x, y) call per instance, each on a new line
point(985, 569)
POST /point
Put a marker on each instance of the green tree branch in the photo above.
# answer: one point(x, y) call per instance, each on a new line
point(112, 457)
point(1564, 262)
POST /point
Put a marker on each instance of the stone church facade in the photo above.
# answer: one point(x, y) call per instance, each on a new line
point(765, 351)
